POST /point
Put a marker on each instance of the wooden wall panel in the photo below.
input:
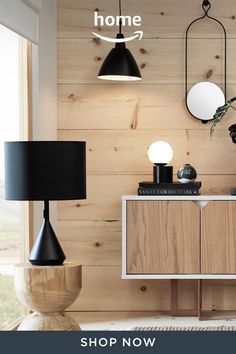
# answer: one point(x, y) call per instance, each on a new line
point(91, 242)
point(104, 290)
point(160, 19)
point(160, 61)
point(138, 107)
point(119, 122)
point(125, 152)
point(219, 295)
point(104, 195)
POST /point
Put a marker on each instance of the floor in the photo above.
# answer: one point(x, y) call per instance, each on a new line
point(129, 320)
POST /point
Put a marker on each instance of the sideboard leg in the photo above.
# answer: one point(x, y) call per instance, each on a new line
point(174, 310)
point(173, 297)
point(200, 299)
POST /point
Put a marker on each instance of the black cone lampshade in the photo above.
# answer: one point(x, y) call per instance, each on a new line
point(120, 64)
point(45, 170)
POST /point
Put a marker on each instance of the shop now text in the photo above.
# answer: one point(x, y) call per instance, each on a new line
point(124, 342)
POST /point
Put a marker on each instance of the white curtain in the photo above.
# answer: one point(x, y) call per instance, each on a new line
point(21, 17)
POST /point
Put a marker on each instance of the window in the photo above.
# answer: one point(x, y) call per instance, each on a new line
point(13, 50)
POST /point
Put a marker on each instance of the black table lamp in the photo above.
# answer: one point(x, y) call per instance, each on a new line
point(45, 170)
point(160, 154)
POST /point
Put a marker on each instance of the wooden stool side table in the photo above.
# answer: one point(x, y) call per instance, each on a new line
point(48, 291)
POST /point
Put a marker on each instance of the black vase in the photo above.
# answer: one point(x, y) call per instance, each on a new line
point(187, 174)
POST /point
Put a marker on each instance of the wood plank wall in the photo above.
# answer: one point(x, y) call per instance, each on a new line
point(119, 122)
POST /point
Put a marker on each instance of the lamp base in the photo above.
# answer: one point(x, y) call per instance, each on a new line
point(47, 249)
point(162, 174)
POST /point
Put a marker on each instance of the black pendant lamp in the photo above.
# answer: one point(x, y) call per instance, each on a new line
point(120, 64)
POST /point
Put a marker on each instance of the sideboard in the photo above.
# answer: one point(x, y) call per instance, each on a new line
point(166, 237)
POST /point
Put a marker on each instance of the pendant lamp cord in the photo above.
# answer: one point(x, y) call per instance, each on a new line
point(120, 22)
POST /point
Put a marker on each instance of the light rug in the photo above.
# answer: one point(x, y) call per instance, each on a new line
point(186, 328)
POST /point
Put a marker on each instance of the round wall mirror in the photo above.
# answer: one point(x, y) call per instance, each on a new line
point(203, 99)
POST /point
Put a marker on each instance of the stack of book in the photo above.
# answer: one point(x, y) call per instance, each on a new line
point(175, 188)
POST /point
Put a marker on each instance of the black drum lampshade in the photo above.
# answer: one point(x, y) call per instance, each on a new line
point(45, 170)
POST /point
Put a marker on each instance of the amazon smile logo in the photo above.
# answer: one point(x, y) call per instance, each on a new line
point(110, 21)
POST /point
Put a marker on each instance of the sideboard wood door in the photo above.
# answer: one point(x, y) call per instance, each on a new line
point(218, 241)
point(163, 237)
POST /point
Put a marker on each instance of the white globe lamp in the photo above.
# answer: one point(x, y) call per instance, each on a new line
point(160, 154)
